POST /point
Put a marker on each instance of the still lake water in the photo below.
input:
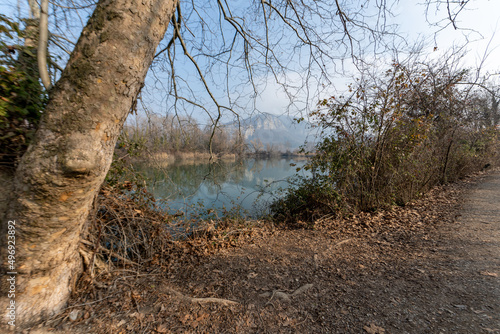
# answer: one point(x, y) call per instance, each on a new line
point(194, 188)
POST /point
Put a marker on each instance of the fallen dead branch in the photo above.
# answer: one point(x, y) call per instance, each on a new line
point(286, 296)
point(207, 300)
point(342, 242)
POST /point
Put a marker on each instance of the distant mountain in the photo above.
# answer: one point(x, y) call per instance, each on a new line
point(282, 132)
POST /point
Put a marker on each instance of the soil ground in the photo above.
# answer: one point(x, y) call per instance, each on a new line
point(432, 266)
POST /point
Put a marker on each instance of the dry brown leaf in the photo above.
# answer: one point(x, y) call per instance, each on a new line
point(374, 329)
point(162, 328)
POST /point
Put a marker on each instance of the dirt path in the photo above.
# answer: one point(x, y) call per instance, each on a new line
point(430, 267)
point(474, 258)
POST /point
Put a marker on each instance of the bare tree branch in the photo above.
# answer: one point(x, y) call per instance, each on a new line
point(42, 44)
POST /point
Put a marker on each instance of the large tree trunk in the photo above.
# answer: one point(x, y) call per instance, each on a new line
point(59, 175)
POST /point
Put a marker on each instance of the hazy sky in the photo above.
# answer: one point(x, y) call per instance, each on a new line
point(477, 24)
point(478, 29)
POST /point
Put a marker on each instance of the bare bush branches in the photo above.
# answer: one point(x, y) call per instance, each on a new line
point(393, 137)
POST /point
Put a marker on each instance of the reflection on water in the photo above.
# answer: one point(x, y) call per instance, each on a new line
point(244, 184)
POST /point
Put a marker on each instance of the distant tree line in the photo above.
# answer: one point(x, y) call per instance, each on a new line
point(180, 134)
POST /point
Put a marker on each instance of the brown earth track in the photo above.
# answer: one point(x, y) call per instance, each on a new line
point(430, 267)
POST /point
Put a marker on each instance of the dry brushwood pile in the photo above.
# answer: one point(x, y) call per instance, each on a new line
point(432, 266)
point(131, 232)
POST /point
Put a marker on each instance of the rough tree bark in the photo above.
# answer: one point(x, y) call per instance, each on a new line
point(59, 175)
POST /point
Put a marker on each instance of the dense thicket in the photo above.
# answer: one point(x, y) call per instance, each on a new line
point(393, 137)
